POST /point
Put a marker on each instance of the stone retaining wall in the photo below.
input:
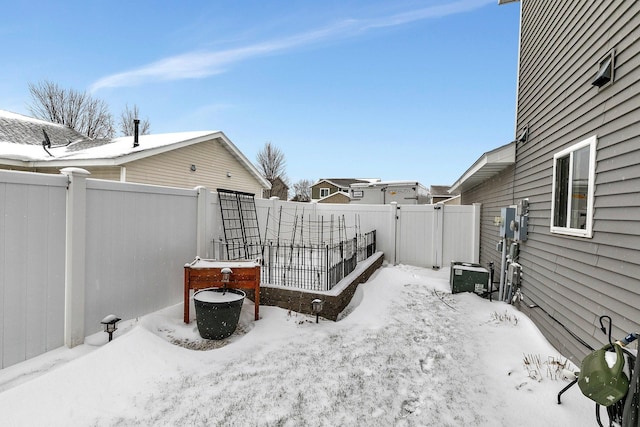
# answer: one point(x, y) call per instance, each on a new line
point(300, 300)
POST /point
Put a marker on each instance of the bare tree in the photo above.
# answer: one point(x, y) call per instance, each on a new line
point(302, 190)
point(127, 127)
point(78, 110)
point(271, 162)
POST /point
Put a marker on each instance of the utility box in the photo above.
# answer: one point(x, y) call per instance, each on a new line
point(508, 217)
point(468, 277)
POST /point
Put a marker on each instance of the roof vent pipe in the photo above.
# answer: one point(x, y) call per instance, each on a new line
point(136, 124)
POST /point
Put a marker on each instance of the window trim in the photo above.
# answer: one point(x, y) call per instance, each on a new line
point(328, 191)
point(590, 142)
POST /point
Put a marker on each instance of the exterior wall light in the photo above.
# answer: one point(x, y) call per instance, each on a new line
point(109, 323)
point(193, 168)
point(316, 307)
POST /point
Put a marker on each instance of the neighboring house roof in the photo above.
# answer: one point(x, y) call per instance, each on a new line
point(280, 182)
point(23, 130)
point(345, 182)
point(387, 184)
point(440, 191)
point(454, 200)
point(489, 164)
point(278, 189)
point(21, 145)
point(339, 196)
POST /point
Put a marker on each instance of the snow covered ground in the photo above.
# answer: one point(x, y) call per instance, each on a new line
point(405, 353)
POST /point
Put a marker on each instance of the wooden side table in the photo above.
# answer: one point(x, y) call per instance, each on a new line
point(207, 273)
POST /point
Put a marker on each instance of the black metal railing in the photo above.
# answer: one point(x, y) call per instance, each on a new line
point(316, 267)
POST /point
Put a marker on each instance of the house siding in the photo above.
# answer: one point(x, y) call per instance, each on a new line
point(336, 198)
point(315, 190)
point(212, 162)
point(493, 194)
point(576, 280)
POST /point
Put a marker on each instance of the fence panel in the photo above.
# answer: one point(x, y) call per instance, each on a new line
point(138, 240)
point(461, 234)
point(32, 247)
point(365, 218)
point(416, 232)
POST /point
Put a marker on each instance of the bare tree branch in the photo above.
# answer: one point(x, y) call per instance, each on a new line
point(302, 190)
point(271, 162)
point(126, 125)
point(78, 110)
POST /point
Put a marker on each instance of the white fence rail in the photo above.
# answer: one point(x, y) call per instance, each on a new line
point(73, 249)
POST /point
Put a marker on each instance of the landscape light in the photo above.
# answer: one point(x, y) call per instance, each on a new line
point(316, 307)
point(109, 323)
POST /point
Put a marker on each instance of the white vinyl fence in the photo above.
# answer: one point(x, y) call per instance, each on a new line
point(32, 270)
point(421, 235)
point(75, 249)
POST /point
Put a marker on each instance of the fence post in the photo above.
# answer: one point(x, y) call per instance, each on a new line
point(394, 231)
point(438, 236)
point(74, 276)
point(477, 209)
point(204, 238)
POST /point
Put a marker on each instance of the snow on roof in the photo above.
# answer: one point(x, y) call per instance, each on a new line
point(123, 146)
point(24, 131)
point(345, 182)
point(386, 184)
point(15, 116)
point(108, 149)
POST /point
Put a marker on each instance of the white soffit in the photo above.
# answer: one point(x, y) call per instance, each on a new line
point(488, 165)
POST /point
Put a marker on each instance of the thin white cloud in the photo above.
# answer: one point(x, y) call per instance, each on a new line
point(201, 64)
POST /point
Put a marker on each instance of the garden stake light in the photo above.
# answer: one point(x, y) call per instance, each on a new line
point(226, 277)
point(316, 307)
point(109, 323)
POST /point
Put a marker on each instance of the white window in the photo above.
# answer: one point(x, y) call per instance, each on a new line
point(573, 189)
point(324, 192)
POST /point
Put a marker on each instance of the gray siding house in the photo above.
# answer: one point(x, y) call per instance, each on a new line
point(576, 159)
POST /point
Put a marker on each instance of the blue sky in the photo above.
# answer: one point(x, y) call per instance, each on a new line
point(397, 90)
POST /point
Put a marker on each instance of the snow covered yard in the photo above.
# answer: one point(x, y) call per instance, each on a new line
point(405, 353)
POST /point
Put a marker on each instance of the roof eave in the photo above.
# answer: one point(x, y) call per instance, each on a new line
point(242, 158)
point(488, 165)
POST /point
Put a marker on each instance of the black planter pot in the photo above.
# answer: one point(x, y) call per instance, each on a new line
point(218, 311)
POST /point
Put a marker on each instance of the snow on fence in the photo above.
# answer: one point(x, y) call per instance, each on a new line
point(74, 249)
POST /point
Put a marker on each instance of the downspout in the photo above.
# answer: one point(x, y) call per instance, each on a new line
point(515, 131)
point(503, 262)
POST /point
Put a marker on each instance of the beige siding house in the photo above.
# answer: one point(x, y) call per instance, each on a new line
point(337, 197)
point(186, 159)
point(577, 163)
point(327, 186)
